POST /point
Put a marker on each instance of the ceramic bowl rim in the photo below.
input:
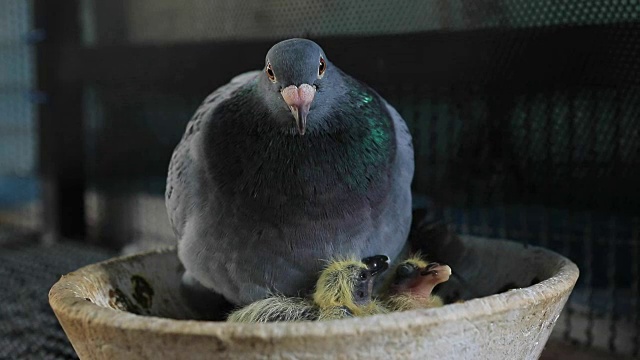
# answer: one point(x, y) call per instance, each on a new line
point(68, 303)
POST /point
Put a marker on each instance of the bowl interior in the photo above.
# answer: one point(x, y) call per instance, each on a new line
point(149, 284)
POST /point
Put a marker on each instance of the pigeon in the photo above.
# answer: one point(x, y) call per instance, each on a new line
point(282, 169)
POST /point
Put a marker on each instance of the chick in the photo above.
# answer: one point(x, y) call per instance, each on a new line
point(343, 290)
point(276, 308)
point(413, 282)
point(345, 287)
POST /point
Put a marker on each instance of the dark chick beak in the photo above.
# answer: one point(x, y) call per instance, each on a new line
point(432, 268)
point(376, 264)
point(299, 99)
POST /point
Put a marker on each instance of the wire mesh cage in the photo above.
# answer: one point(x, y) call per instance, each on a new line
point(525, 117)
point(19, 192)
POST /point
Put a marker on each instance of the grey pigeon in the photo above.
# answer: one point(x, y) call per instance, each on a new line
point(283, 169)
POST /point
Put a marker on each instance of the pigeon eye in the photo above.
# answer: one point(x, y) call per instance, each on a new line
point(270, 73)
point(321, 68)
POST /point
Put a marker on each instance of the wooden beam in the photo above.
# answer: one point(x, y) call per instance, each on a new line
point(512, 58)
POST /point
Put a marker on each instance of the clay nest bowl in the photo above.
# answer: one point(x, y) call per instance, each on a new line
point(132, 307)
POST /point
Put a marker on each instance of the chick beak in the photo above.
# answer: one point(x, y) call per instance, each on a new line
point(439, 273)
point(376, 264)
point(299, 99)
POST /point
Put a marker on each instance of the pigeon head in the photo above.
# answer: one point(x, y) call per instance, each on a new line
point(297, 82)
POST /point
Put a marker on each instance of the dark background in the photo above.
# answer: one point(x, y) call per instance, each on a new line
point(525, 117)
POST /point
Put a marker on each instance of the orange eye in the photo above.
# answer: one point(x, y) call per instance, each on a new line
point(270, 73)
point(322, 67)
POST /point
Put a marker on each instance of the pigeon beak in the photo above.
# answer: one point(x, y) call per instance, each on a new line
point(299, 99)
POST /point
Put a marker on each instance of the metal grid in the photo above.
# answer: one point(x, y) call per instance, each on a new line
point(19, 186)
point(559, 173)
